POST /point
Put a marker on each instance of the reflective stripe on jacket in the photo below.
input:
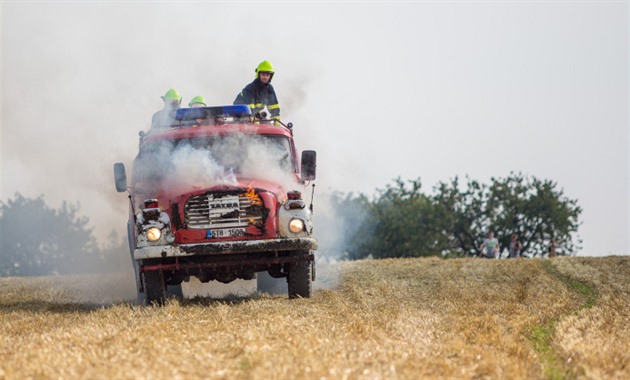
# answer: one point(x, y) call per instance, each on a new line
point(257, 95)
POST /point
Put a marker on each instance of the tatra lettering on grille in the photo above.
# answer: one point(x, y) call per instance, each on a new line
point(224, 205)
point(221, 210)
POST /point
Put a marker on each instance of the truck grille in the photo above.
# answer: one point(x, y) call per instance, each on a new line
point(223, 210)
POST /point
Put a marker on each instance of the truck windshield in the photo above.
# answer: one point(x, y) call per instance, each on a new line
point(214, 156)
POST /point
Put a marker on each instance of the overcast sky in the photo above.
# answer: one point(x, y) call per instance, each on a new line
point(425, 90)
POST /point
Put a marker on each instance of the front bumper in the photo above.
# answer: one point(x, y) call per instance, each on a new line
point(226, 247)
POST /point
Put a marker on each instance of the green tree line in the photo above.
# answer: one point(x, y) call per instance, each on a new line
point(38, 240)
point(403, 221)
point(399, 221)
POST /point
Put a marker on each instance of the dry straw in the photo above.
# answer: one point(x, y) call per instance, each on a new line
point(385, 319)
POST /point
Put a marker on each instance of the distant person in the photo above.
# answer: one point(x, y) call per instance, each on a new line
point(165, 117)
point(489, 247)
point(260, 93)
point(515, 248)
point(553, 245)
point(197, 101)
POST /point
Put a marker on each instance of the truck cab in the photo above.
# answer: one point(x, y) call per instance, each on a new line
point(218, 195)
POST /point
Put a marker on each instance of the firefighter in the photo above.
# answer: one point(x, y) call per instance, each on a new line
point(165, 117)
point(197, 101)
point(260, 92)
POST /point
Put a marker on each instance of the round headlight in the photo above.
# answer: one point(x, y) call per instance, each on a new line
point(154, 234)
point(296, 226)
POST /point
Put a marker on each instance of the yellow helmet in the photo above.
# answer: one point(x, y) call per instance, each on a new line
point(197, 100)
point(172, 94)
point(264, 67)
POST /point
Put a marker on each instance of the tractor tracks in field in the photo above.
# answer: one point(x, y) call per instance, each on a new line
point(542, 336)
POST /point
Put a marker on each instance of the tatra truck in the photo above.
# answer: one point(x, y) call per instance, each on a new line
point(219, 195)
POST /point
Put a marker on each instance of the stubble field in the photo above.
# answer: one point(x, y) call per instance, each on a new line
point(378, 319)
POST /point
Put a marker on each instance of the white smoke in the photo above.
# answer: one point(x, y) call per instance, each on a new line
point(198, 169)
point(337, 218)
point(268, 162)
point(210, 161)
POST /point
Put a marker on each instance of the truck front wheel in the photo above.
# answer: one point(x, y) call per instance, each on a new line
point(299, 279)
point(154, 287)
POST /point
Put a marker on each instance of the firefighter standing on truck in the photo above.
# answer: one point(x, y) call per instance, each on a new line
point(260, 92)
point(197, 101)
point(165, 117)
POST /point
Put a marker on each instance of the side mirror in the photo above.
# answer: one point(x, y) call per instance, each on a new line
point(309, 165)
point(120, 177)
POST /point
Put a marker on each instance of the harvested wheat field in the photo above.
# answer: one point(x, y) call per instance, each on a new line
point(378, 319)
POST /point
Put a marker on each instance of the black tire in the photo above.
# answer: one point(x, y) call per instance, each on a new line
point(300, 284)
point(140, 298)
point(154, 287)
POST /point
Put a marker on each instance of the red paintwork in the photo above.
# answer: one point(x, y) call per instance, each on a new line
point(215, 130)
point(272, 194)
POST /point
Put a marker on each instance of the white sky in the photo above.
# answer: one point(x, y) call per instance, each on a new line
point(380, 90)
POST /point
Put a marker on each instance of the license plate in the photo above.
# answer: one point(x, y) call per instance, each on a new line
point(225, 232)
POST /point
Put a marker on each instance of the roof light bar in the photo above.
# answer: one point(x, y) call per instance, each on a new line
point(238, 110)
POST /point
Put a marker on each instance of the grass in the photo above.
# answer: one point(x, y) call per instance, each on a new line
point(542, 336)
point(587, 292)
point(379, 319)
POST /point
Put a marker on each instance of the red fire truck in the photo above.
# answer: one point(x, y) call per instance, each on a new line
point(218, 195)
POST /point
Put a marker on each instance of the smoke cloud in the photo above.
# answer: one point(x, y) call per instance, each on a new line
point(203, 162)
point(81, 80)
point(198, 169)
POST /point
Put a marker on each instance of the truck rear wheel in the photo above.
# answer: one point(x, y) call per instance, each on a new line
point(299, 279)
point(154, 287)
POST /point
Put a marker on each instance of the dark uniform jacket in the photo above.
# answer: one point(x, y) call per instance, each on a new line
point(258, 95)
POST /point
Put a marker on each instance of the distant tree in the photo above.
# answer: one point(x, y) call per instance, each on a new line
point(401, 222)
point(464, 215)
point(533, 209)
point(537, 211)
point(114, 256)
point(38, 240)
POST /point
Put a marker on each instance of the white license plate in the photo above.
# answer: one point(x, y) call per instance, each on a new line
point(225, 232)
